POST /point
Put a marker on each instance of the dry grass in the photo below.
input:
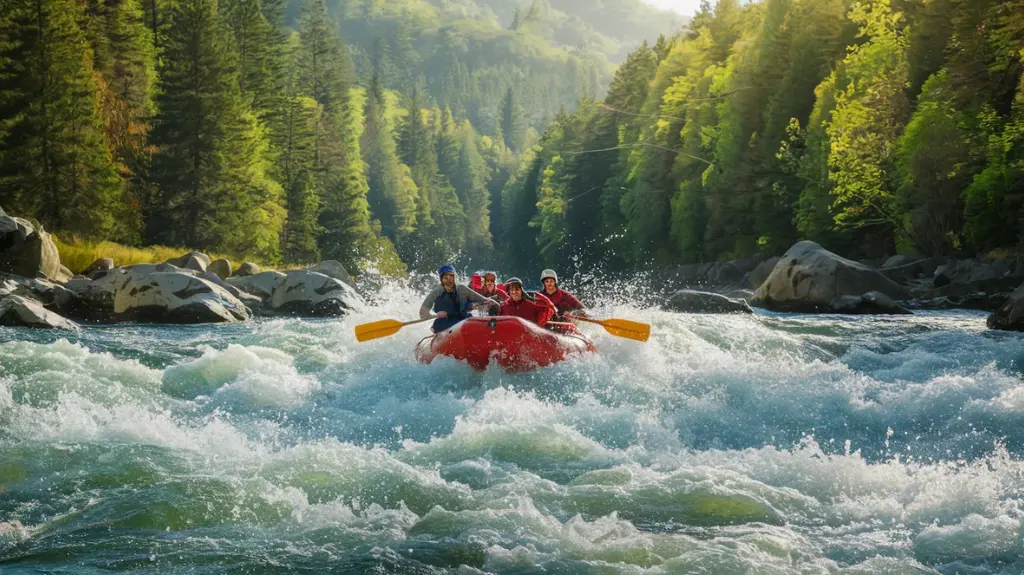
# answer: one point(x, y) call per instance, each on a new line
point(79, 255)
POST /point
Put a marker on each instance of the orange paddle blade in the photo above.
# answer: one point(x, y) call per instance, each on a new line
point(622, 328)
point(378, 329)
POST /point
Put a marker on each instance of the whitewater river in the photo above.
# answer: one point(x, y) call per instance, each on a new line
point(758, 444)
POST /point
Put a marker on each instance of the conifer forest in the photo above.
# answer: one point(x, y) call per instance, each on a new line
point(501, 133)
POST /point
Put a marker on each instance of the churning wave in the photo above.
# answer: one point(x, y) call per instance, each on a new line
point(726, 444)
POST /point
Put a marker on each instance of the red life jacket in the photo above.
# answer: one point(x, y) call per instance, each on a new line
point(538, 312)
point(563, 300)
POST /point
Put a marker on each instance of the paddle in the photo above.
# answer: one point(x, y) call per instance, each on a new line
point(383, 328)
point(620, 327)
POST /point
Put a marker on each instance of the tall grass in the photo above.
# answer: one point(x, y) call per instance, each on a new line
point(78, 255)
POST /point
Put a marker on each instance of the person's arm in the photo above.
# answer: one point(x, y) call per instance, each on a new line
point(545, 309)
point(428, 303)
point(570, 303)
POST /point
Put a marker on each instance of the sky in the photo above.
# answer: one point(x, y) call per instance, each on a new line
point(685, 7)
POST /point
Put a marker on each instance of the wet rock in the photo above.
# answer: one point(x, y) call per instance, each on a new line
point(19, 311)
point(247, 269)
point(916, 269)
point(196, 261)
point(811, 279)
point(309, 293)
point(175, 297)
point(869, 303)
point(1010, 315)
point(254, 303)
point(690, 301)
point(29, 252)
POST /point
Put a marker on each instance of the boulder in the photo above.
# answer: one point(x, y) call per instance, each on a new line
point(809, 278)
point(743, 294)
point(100, 265)
point(174, 297)
point(261, 285)
point(312, 294)
point(51, 295)
point(872, 302)
point(196, 261)
point(690, 301)
point(1009, 316)
point(29, 252)
point(254, 303)
point(19, 311)
point(761, 272)
point(247, 269)
point(221, 267)
point(918, 269)
point(334, 269)
point(902, 260)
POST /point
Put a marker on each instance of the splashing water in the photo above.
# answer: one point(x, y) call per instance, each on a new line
point(739, 444)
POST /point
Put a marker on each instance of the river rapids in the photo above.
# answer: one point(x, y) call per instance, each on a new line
point(726, 444)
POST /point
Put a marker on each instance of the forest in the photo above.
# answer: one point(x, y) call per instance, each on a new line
point(405, 133)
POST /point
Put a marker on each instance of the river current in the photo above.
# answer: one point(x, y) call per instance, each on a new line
point(726, 444)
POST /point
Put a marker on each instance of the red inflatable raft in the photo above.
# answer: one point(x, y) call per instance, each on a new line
point(514, 343)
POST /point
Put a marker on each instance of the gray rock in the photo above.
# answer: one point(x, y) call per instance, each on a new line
point(761, 273)
point(920, 268)
point(334, 269)
point(247, 269)
point(1009, 316)
point(902, 260)
point(690, 301)
point(196, 261)
point(261, 285)
point(100, 265)
point(19, 311)
point(869, 303)
point(743, 294)
point(221, 267)
point(309, 293)
point(175, 297)
point(29, 252)
point(811, 279)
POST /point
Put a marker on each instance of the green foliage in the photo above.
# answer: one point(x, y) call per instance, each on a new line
point(56, 162)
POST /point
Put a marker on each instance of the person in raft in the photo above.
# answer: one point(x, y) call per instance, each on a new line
point(519, 304)
point(451, 303)
point(491, 288)
point(562, 300)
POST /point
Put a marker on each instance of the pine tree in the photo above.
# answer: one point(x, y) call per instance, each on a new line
point(392, 194)
point(210, 166)
point(471, 184)
point(511, 122)
point(55, 158)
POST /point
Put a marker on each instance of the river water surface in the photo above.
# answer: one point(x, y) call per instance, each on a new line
point(725, 444)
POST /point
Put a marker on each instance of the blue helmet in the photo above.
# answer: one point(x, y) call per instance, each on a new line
point(445, 269)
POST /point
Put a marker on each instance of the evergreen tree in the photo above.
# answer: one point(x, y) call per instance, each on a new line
point(210, 166)
point(511, 122)
point(56, 162)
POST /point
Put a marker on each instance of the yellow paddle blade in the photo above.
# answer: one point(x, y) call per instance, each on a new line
point(378, 329)
point(622, 327)
point(627, 329)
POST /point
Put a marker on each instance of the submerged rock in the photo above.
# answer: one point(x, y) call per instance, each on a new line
point(1009, 316)
point(175, 297)
point(690, 301)
point(811, 279)
point(18, 311)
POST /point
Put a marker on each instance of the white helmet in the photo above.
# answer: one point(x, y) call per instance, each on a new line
point(548, 274)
